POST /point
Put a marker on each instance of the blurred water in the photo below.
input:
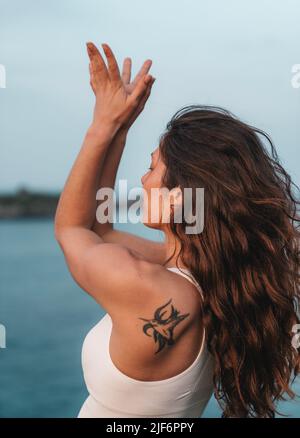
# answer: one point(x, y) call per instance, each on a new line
point(47, 317)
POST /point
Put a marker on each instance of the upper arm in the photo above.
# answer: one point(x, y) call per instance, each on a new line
point(146, 249)
point(109, 272)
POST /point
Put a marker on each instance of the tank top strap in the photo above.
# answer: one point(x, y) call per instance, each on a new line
point(187, 274)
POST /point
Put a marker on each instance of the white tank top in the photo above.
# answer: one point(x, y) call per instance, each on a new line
point(114, 394)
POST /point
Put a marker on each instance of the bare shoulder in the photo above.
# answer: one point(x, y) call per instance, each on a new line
point(163, 284)
point(161, 337)
point(125, 285)
point(158, 286)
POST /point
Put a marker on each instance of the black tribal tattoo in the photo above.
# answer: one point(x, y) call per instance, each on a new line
point(163, 328)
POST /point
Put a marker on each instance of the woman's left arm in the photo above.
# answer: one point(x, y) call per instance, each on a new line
point(114, 107)
point(77, 202)
point(92, 262)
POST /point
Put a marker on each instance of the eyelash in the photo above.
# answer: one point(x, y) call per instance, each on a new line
point(150, 168)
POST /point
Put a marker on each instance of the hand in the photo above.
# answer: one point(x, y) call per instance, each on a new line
point(118, 102)
point(130, 86)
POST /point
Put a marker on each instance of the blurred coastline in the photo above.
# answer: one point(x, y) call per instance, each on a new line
point(24, 203)
point(27, 203)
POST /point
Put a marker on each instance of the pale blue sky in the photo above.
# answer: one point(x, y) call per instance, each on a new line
point(233, 53)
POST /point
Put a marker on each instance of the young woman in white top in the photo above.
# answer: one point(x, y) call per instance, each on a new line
point(224, 324)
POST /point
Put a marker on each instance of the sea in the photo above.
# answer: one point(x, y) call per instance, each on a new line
point(44, 318)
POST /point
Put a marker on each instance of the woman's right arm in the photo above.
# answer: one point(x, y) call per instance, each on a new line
point(154, 252)
point(147, 249)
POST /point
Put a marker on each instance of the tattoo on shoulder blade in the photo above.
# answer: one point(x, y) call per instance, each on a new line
point(162, 328)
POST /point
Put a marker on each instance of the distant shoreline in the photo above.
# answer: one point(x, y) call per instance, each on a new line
point(26, 204)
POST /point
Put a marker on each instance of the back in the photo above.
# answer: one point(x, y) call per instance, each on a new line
point(113, 393)
point(163, 338)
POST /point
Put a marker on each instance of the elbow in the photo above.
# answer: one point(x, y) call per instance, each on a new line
point(60, 237)
point(59, 228)
point(57, 233)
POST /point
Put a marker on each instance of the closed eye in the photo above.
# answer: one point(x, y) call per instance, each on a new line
point(150, 168)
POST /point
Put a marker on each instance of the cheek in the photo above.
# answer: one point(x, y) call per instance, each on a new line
point(151, 201)
point(155, 178)
point(149, 181)
point(152, 206)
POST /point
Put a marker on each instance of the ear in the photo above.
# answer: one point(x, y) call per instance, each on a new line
point(176, 197)
point(172, 204)
point(176, 204)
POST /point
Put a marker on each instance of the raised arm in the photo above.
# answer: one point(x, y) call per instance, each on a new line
point(107, 271)
point(146, 249)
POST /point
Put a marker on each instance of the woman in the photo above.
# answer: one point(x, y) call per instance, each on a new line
point(224, 324)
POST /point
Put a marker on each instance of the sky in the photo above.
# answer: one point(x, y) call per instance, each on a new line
point(235, 54)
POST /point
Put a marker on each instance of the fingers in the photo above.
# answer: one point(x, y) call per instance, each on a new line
point(146, 94)
point(126, 71)
point(101, 72)
point(140, 88)
point(143, 70)
point(98, 65)
point(113, 67)
point(142, 102)
point(92, 78)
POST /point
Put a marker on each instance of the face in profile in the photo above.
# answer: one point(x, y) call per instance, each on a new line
point(156, 198)
point(151, 182)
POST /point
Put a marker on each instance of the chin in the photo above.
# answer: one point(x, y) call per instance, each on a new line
point(153, 225)
point(148, 221)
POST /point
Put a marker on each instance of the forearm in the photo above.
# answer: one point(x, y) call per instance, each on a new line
point(108, 174)
point(118, 103)
point(77, 203)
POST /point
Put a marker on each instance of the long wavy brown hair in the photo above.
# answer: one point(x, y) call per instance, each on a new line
point(246, 259)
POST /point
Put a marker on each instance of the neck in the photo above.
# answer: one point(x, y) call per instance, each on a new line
point(172, 251)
